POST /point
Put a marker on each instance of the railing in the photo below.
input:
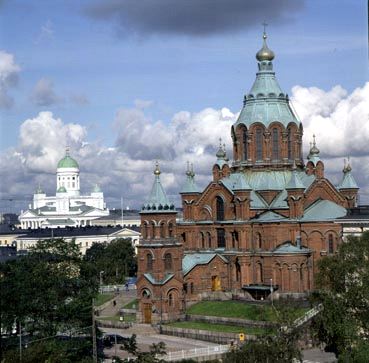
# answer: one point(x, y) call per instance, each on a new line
point(303, 319)
point(196, 352)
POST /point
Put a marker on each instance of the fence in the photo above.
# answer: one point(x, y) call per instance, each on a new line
point(194, 353)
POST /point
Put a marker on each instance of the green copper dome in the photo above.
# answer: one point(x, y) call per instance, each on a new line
point(67, 162)
point(266, 102)
point(61, 190)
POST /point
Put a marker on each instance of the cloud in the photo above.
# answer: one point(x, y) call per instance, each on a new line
point(142, 104)
point(338, 118)
point(43, 93)
point(190, 17)
point(79, 99)
point(9, 72)
point(46, 32)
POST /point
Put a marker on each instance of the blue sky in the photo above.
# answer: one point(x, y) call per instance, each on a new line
point(95, 61)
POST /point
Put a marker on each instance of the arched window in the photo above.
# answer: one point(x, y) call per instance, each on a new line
point(330, 243)
point(168, 262)
point(244, 143)
point(259, 272)
point(289, 144)
point(162, 230)
point(275, 144)
point(258, 241)
point(149, 262)
point(259, 144)
point(191, 288)
point(152, 229)
point(221, 238)
point(220, 209)
point(209, 239)
point(170, 299)
point(170, 230)
point(202, 240)
point(144, 230)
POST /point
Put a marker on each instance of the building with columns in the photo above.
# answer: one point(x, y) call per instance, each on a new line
point(68, 208)
point(260, 225)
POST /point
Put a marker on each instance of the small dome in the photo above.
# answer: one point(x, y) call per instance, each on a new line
point(264, 54)
point(61, 190)
point(96, 189)
point(67, 161)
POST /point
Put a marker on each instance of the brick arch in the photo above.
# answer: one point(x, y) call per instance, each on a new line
point(219, 202)
point(316, 240)
point(277, 274)
point(173, 301)
point(285, 277)
point(206, 213)
point(242, 136)
point(294, 277)
point(259, 151)
point(145, 292)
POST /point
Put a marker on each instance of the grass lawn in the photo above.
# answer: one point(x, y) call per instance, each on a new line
point(236, 309)
point(103, 298)
point(131, 305)
point(219, 327)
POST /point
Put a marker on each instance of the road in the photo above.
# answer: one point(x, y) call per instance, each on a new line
point(144, 341)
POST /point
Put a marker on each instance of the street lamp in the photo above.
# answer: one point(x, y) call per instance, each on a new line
point(101, 281)
point(271, 290)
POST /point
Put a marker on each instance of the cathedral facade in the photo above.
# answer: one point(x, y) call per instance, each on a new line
point(68, 208)
point(260, 225)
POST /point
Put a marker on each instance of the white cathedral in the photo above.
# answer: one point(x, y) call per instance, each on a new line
point(67, 207)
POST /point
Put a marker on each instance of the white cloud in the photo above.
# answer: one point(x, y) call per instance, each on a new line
point(9, 72)
point(43, 93)
point(337, 118)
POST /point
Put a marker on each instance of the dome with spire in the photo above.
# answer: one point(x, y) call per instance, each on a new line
point(266, 102)
point(158, 200)
point(67, 161)
point(265, 54)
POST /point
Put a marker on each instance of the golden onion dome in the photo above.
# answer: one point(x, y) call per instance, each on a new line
point(264, 54)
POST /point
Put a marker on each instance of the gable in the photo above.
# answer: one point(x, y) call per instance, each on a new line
point(323, 189)
point(211, 191)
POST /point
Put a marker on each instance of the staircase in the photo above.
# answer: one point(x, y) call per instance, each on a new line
point(303, 319)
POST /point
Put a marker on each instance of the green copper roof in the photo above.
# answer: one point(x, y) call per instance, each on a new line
point(61, 190)
point(153, 281)
point(193, 259)
point(323, 210)
point(270, 217)
point(190, 184)
point(288, 247)
point(295, 181)
point(67, 161)
point(266, 101)
point(158, 200)
point(348, 181)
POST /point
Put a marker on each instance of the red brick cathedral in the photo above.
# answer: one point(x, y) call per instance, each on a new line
point(260, 225)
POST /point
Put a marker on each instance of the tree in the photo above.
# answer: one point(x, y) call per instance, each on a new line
point(144, 357)
point(47, 291)
point(116, 259)
point(343, 283)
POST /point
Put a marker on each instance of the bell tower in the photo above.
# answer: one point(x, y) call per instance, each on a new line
point(160, 254)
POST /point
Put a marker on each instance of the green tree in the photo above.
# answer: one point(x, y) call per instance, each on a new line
point(144, 357)
point(47, 291)
point(116, 259)
point(343, 283)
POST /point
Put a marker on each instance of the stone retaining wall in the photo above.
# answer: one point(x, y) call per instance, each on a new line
point(209, 336)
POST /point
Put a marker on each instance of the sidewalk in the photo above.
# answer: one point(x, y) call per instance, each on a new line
point(121, 299)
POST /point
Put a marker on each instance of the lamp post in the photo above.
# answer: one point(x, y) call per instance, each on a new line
point(271, 290)
point(101, 281)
